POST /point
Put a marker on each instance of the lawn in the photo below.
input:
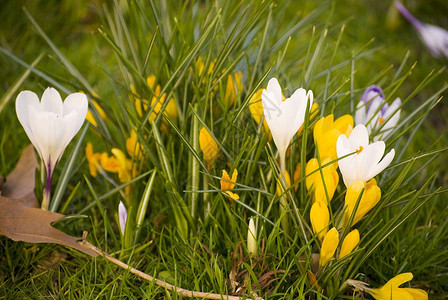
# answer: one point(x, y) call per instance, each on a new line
point(181, 171)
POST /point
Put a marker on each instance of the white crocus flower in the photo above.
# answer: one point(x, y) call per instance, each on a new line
point(284, 117)
point(376, 114)
point(434, 37)
point(122, 216)
point(366, 160)
point(50, 125)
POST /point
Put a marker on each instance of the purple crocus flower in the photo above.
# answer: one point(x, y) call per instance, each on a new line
point(122, 216)
point(434, 37)
point(376, 114)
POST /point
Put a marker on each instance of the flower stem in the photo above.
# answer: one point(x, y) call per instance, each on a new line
point(284, 185)
point(47, 190)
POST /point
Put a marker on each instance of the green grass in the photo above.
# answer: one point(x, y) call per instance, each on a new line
point(192, 234)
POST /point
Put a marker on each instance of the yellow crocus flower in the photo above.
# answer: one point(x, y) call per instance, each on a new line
point(124, 172)
point(133, 147)
point(370, 197)
point(93, 159)
point(141, 105)
point(329, 245)
point(234, 87)
point(350, 242)
point(326, 133)
point(117, 164)
point(391, 290)
point(110, 164)
point(227, 186)
point(314, 182)
point(320, 218)
point(208, 146)
point(200, 66)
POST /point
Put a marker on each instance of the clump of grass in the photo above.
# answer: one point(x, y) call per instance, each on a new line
point(182, 227)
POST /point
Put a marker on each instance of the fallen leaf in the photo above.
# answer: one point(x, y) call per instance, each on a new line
point(20, 182)
point(33, 225)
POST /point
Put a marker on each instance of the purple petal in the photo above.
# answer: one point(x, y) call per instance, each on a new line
point(371, 92)
point(417, 24)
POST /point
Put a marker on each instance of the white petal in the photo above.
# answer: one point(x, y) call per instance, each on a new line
point(347, 165)
point(122, 216)
point(360, 114)
point(275, 90)
point(383, 164)
point(52, 101)
point(358, 137)
point(41, 129)
point(25, 100)
point(374, 109)
point(371, 157)
point(77, 102)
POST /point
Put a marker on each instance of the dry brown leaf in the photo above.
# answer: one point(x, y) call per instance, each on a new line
point(20, 182)
point(33, 225)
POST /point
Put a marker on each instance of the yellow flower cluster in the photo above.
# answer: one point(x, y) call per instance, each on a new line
point(233, 86)
point(118, 162)
point(322, 180)
point(156, 104)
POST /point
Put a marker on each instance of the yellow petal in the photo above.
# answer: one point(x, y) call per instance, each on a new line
point(208, 146)
point(225, 185)
point(232, 195)
point(256, 110)
point(391, 290)
point(350, 242)
point(320, 218)
point(370, 197)
point(314, 183)
point(417, 294)
point(151, 80)
point(93, 160)
point(110, 164)
point(279, 185)
point(327, 131)
point(124, 174)
point(329, 245)
point(297, 175)
point(133, 147)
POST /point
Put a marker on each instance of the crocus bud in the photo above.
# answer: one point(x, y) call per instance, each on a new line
point(320, 218)
point(233, 88)
point(329, 245)
point(350, 242)
point(252, 239)
point(315, 183)
point(208, 146)
point(122, 216)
